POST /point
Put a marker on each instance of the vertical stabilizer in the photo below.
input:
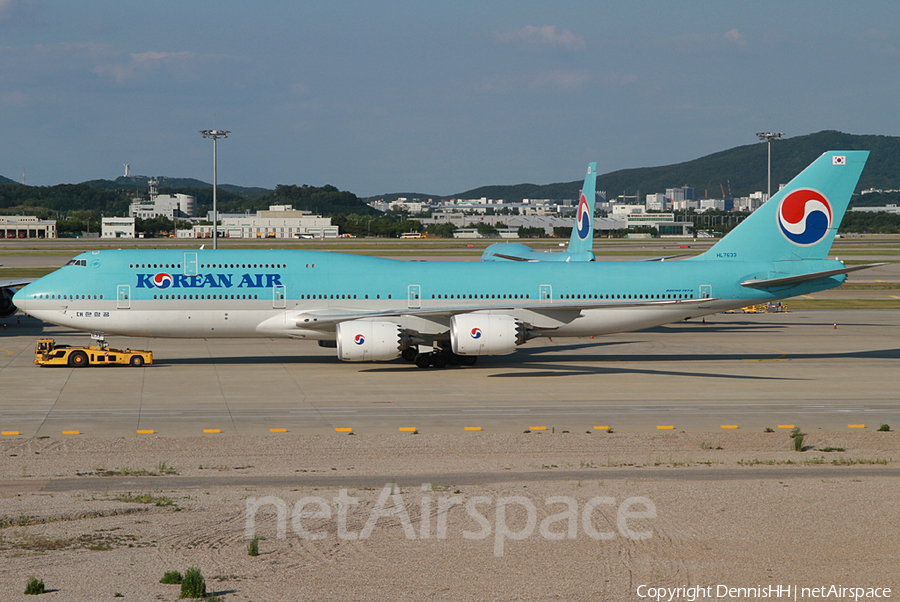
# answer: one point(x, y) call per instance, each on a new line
point(801, 220)
point(582, 239)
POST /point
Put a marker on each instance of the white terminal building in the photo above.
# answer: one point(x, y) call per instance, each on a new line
point(26, 226)
point(172, 206)
point(117, 227)
point(280, 221)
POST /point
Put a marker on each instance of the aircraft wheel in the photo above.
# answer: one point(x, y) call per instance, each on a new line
point(409, 354)
point(454, 360)
point(469, 360)
point(422, 360)
point(137, 361)
point(78, 359)
point(439, 360)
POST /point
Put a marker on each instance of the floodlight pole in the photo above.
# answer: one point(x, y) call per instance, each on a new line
point(768, 137)
point(215, 135)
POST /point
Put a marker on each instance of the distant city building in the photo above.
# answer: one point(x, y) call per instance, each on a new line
point(117, 227)
point(514, 222)
point(685, 205)
point(404, 204)
point(280, 221)
point(664, 223)
point(716, 204)
point(474, 233)
point(884, 208)
point(750, 203)
point(685, 193)
point(622, 210)
point(878, 191)
point(658, 202)
point(26, 226)
point(171, 206)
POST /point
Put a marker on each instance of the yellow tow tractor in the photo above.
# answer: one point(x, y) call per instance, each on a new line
point(48, 353)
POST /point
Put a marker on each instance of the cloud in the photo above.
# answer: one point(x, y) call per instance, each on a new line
point(568, 80)
point(734, 37)
point(138, 65)
point(706, 109)
point(14, 99)
point(512, 83)
point(699, 42)
point(19, 11)
point(537, 38)
point(7, 7)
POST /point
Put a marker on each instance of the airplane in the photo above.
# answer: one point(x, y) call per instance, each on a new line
point(375, 309)
point(581, 242)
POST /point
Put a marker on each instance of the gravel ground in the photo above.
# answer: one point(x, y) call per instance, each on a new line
point(664, 510)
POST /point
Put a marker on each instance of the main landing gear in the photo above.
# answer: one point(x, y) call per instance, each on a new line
point(440, 358)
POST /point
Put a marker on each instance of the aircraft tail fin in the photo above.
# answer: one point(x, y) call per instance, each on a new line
point(582, 239)
point(801, 220)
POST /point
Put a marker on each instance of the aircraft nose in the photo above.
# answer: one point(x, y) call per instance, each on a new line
point(19, 300)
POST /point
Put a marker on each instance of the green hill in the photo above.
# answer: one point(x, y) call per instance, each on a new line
point(742, 170)
point(138, 185)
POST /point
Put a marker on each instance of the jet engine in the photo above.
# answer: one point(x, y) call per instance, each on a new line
point(7, 307)
point(361, 341)
point(485, 334)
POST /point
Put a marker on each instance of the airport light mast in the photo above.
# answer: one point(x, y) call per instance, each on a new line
point(768, 137)
point(215, 135)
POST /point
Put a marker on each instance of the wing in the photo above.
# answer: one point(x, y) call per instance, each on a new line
point(326, 319)
point(16, 282)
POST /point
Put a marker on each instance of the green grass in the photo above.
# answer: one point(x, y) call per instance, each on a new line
point(10, 273)
point(34, 586)
point(799, 304)
point(145, 498)
point(172, 578)
point(798, 437)
point(193, 585)
point(869, 286)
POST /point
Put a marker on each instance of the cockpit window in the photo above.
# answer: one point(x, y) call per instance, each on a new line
point(81, 262)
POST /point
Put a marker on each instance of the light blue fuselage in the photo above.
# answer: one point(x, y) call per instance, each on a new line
point(246, 293)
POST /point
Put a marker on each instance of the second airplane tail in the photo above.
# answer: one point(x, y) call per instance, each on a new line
point(582, 239)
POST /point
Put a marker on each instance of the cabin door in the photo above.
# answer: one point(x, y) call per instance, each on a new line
point(415, 292)
point(705, 293)
point(190, 264)
point(123, 296)
point(278, 297)
point(546, 293)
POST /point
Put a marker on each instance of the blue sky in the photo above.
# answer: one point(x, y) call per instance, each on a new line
point(377, 97)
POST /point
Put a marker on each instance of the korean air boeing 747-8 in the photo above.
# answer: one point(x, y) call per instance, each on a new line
point(381, 309)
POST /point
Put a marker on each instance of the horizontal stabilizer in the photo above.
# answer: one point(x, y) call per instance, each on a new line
point(666, 257)
point(512, 257)
point(792, 280)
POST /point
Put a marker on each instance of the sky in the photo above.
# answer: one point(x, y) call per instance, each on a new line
point(437, 98)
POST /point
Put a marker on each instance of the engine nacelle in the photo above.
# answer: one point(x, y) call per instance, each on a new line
point(361, 341)
point(7, 307)
point(485, 334)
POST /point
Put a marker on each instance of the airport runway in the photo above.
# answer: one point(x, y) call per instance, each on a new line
point(752, 371)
